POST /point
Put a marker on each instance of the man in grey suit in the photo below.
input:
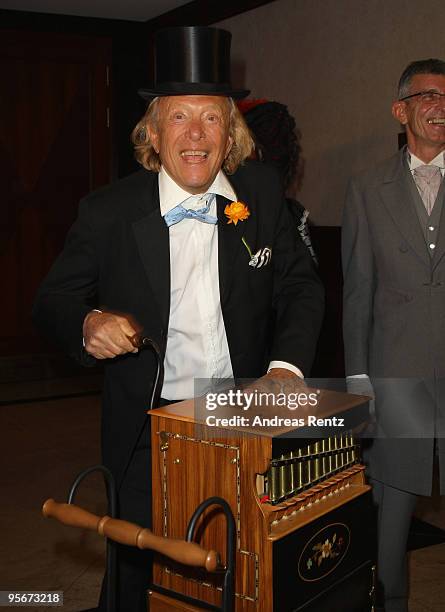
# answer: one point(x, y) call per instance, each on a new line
point(393, 247)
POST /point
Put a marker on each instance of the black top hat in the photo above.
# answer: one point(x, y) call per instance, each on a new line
point(192, 61)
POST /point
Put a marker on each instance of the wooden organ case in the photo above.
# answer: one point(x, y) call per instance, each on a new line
point(303, 512)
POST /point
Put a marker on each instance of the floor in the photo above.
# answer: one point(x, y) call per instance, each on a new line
point(44, 444)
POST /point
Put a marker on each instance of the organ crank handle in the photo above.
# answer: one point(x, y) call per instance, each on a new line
point(188, 553)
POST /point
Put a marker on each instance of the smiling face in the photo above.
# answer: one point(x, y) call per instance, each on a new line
point(192, 139)
point(425, 130)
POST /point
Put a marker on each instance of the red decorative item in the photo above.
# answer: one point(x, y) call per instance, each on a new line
point(246, 105)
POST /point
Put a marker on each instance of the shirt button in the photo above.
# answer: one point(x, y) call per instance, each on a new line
point(431, 228)
point(432, 246)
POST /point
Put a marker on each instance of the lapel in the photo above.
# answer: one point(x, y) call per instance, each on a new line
point(152, 238)
point(230, 236)
point(440, 244)
point(396, 195)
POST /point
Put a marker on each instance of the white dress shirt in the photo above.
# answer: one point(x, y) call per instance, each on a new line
point(414, 162)
point(197, 347)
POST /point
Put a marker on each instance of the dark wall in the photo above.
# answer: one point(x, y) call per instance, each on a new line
point(329, 358)
point(131, 69)
point(130, 53)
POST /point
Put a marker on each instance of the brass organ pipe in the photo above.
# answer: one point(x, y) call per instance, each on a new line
point(325, 460)
point(308, 470)
point(292, 473)
point(303, 467)
point(300, 472)
point(284, 478)
point(342, 452)
point(273, 483)
point(335, 453)
point(330, 458)
point(317, 461)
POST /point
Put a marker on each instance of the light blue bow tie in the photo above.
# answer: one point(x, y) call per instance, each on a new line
point(178, 213)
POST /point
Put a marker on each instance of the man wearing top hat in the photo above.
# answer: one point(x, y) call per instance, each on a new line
point(197, 250)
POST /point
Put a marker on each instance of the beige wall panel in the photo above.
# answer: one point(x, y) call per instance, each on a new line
point(335, 63)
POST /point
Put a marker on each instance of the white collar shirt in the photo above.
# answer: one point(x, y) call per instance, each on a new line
point(414, 162)
point(197, 350)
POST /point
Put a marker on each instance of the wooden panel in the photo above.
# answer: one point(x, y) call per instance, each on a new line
point(54, 148)
point(227, 465)
point(161, 603)
point(184, 491)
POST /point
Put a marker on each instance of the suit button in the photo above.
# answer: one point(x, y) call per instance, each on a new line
point(432, 245)
point(403, 248)
point(431, 228)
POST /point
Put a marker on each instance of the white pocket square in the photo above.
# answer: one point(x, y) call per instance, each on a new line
point(261, 258)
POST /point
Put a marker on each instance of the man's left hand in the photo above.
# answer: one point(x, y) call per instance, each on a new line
point(278, 381)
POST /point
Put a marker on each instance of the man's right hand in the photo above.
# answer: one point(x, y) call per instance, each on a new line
point(107, 335)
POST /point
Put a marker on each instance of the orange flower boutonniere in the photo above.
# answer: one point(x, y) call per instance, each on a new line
point(236, 211)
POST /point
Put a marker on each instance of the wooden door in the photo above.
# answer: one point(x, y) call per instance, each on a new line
point(55, 147)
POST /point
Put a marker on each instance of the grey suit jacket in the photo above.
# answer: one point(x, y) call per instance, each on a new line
point(394, 321)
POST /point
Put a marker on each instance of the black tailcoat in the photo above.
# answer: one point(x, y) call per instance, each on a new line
point(116, 257)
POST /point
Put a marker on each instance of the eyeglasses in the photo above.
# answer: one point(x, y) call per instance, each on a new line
point(428, 97)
